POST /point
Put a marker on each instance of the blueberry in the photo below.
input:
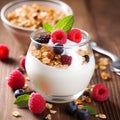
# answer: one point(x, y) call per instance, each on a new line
point(71, 107)
point(86, 58)
point(83, 114)
point(19, 92)
point(58, 48)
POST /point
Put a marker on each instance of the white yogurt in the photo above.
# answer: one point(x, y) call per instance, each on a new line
point(55, 81)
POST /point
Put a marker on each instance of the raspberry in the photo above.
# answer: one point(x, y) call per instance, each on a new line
point(59, 36)
point(4, 51)
point(43, 38)
point(65, 59)
point(100, 92)
point(75, 35)
point(16, 80)
point(36, 103)
point(22, 62)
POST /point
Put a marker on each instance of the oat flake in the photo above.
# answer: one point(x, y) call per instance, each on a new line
point(16, 114)
point(102, 116)
point(48, 117)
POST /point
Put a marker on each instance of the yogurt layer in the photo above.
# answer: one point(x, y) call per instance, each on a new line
point(56, 81)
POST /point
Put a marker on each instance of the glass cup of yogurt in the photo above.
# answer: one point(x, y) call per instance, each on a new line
point(60, 72)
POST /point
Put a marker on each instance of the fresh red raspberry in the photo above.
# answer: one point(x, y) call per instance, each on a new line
point(16, 80)
point(65, 59)
point(75, 35)
point(22, 62)
point(36, 103)
point(100, 92)
point(4, 51)
point(59, 36)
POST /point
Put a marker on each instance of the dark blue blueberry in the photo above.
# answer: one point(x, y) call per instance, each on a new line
point(83, 114)
point(71, 107)
point(86, 58)
point(19, 92)
point(58, 48)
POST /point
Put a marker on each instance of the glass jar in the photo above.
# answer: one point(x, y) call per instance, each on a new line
point(60, 77)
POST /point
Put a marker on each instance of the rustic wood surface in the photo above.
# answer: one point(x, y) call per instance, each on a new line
point(101, 18)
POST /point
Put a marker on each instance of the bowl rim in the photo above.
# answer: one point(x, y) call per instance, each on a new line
point(8, 5)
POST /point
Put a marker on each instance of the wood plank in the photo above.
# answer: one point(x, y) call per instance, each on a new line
point(101, 19)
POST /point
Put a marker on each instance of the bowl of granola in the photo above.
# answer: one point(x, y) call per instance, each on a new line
point(21, 18)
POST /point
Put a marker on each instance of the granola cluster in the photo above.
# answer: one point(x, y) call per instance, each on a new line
point(33, 16)
point(102, 64)
point(47, 56)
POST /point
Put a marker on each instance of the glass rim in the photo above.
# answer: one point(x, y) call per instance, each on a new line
point(83, 42)
point(12, 3)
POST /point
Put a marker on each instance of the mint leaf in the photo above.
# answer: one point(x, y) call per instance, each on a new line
point(91, 109)
point(22, 101)
point(47, 27)
point(65, 24)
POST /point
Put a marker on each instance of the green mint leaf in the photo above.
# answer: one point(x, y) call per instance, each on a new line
point(22, 101)
point(47, 27)
point(65, 24)
point(91, 109)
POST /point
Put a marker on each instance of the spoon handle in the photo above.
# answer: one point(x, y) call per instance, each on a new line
point(104, 52)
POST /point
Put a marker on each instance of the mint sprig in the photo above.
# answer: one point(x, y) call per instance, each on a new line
point(47, 27)
point(65, 24)
point(91, 109)
point(22, 101)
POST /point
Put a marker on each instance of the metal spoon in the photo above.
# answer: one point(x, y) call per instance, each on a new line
point(115, 65)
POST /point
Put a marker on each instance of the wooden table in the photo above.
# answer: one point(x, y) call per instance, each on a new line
point(101, 18)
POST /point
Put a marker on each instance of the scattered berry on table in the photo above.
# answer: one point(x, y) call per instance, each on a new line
point(75, 35)
point(16, 80)
point(71, 107)
point(22, 62)
point(19, 92)
point(36, 103)
point(43, 38)
point(58, 48)
point(83, 114)
point(59, 36)
point(87, 58)
point(4, 51)
point(100, 92)
point(65, 59)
